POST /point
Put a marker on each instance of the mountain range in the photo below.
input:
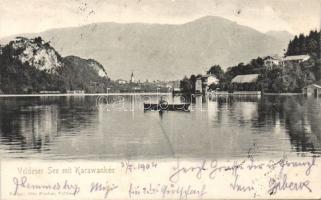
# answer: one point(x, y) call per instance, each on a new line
point(163, 51)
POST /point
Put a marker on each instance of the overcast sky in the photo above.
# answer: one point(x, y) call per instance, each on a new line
point(28, 16)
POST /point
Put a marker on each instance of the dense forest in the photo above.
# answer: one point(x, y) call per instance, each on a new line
point(309, 44)
point(291, 77)
point(294, 76)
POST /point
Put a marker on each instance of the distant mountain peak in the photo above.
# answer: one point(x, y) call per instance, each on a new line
point(211, 19)
point(162, 51)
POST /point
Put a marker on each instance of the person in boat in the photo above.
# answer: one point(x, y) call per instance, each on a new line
point(163, 104)
point(162, 101)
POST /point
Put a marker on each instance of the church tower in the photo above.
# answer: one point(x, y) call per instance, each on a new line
point(132, 78)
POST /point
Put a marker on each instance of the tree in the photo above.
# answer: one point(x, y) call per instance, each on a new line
point(185, 85)
point(305, 44)
point(217, 71)
point(38, 40)
point(192, 82)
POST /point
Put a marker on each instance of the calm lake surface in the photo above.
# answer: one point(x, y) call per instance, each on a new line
point(219, 127)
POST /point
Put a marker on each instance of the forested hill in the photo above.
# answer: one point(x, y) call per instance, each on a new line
point(305, 44)
point(33, 65)
point(282, 78)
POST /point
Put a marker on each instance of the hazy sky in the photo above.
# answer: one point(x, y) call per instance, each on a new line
point(24, 16)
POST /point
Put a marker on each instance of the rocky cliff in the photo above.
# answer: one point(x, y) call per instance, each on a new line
point(33, 65)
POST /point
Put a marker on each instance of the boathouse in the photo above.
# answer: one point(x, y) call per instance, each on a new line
point(202, 83)
point(198, 86)
point(248, 78)
point(245, 82)
point(75, 91)
point(312, 90)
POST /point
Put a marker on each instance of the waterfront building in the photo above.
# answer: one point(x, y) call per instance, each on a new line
point(209, 79)
point(273, 60)
point(198, 85)
point(75, 92)
point(312, 90)
point(295, 59)
point(245, 82)
point(121, 81)
point(202, 83)
point(49, 92)
point(248, 78)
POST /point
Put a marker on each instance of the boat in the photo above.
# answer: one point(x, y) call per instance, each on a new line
point(166, 106)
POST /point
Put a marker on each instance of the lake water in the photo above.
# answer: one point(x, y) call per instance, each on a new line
point(219, 127)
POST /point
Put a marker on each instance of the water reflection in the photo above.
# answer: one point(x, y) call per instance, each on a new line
point(25, 127)
point(218, 126)
point(300, 116)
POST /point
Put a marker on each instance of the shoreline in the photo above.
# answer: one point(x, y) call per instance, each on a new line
point(282, 94)
point(128, 94)
point(255, 93)
point(89, 94)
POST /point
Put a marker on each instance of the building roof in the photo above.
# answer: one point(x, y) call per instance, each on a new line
point(205, 77)
point(208, 75)
point(249, 78)
point(314, 85)
point(298, 57)
point(274, 57)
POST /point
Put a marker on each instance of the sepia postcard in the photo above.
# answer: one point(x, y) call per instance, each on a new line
point(160, 99)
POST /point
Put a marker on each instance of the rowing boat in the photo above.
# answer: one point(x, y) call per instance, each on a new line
point(166, 106)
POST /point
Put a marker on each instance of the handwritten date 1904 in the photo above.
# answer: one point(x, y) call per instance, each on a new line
point(137, 166)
